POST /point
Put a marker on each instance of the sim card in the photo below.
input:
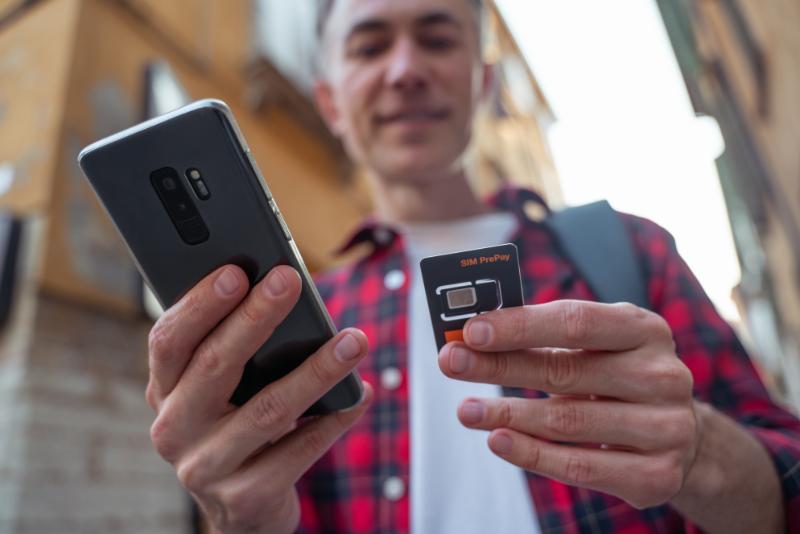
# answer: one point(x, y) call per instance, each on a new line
point(465, 284)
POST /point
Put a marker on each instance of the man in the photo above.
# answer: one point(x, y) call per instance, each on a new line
point(687, 442)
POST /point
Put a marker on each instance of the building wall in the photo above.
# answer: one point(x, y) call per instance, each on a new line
point(74, 452)
point(768, 100)
point(741, 62)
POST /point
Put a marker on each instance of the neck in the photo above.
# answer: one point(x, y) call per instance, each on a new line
point(441, 198)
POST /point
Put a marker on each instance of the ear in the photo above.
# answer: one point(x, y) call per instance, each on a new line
point(326, 104)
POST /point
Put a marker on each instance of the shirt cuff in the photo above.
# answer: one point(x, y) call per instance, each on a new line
point(784, 448)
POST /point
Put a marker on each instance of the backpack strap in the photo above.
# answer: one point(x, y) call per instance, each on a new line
point(595, 240)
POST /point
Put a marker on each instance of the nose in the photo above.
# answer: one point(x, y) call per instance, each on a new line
point(406, 68)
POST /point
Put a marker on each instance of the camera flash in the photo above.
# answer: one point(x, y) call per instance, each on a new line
point(194, 174)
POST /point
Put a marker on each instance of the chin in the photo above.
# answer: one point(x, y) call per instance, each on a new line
point(418, 165)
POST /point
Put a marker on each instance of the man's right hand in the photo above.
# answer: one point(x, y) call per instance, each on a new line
point(241, 463)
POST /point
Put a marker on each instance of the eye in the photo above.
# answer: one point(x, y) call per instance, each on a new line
point(437, 43)
point(368, 49)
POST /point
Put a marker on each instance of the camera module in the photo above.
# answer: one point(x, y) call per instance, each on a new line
point(179, 205)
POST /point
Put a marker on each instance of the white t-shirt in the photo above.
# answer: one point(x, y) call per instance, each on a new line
point(458, 486)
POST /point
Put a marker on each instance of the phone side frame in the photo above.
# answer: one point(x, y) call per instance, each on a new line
point(244, 151)
point(256, 175)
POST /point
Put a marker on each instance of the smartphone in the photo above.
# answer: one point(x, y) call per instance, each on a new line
point(187, 197)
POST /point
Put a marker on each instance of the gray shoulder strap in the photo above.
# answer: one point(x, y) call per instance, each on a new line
point(595, 240)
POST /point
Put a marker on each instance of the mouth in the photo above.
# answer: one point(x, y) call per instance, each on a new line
point(412, 116)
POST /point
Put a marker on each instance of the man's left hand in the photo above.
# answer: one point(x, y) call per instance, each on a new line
point(620, 417)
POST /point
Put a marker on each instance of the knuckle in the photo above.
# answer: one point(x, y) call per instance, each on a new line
point(565, 419)
point(269, 411)
point(631, 310)
point(532, 459)
point(497, 365)
point(673, 484)
point(688, 381)
point(190, 308)
point(578, 470)
point(320, 373)
point(561, 371)
point(243, 509)
point(632, 313)
point(680, 428)
point(208, 361)
point(192, 474)
point(505, 413)
point(250, 313)
point(659, 324)
point(164, 440)
point(316, 442)
point(520, 326)
point(659, 328)
point(661, 481)
point(577, 322)
point(672, 378)
point(159, 342)
point(150, 396)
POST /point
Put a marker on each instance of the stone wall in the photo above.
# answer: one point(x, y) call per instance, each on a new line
point(75, 453)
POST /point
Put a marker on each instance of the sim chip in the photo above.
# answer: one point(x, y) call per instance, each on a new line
point(464, 284)
point(464, 297)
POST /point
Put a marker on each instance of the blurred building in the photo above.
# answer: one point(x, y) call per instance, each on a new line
point(741, 64)
point(75, 454)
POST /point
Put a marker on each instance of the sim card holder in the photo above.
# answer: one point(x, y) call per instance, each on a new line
point(467, 299)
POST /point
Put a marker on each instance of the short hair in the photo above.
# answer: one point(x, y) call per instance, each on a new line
point(326, 7)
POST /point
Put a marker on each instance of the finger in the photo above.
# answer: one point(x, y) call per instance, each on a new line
point(282, 463)
point(182, 327)
point(295, 453)
point(217, 364)
point(641, 480)
point(620, 424)
point(570, 324)
point(262, 418)
point(656, 379)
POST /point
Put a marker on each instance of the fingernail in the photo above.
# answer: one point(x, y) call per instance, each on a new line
point(276, 284)
point(501, 443)
point(472, 412)
point(347, 348)
point(459, 359)
point(227, 283)
point(479, 333)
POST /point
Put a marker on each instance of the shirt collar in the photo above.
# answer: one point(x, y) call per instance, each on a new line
point(382, 235)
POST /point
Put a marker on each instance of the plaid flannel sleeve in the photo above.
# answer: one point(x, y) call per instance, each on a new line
point(724, 375)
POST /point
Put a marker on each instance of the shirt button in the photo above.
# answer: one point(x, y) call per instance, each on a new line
point(391, 378)
point(393, 488)
point(394, 279)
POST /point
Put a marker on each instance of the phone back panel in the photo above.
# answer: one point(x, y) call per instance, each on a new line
point(242, 228)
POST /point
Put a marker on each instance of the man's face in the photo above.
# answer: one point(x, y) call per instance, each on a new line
point(402, 80)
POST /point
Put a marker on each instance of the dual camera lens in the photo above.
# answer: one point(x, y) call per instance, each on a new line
point(169, 183)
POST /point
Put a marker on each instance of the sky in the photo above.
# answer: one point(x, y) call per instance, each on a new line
point(625, 129)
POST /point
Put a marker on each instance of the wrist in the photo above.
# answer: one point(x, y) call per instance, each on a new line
point(705, 475)
point(731, 485)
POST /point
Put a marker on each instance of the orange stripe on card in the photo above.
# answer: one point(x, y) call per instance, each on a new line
point(453, 335)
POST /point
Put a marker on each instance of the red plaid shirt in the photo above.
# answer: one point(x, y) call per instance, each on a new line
point(347, 489)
